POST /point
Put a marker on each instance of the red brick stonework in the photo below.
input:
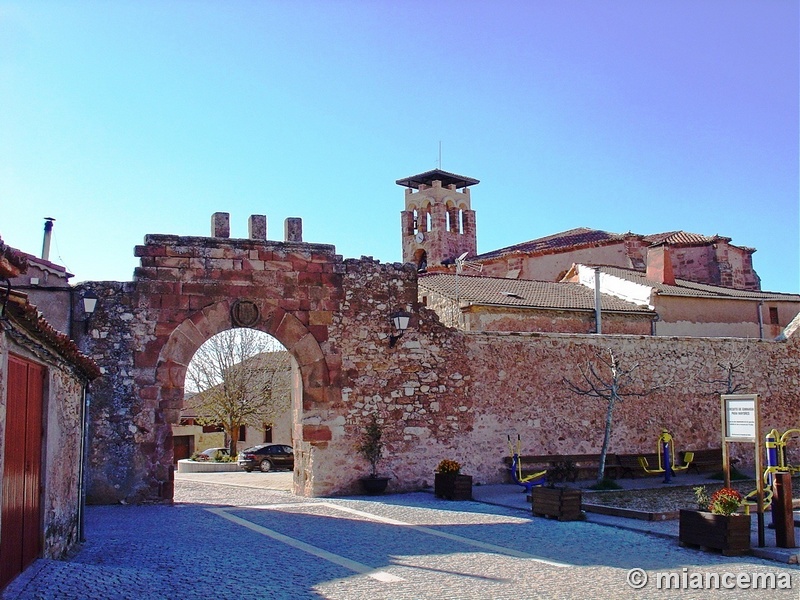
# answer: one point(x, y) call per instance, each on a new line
point(438, 392)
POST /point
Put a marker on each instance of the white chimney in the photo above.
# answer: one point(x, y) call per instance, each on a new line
point(48, 233)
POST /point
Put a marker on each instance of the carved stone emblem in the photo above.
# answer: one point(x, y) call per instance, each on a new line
point(244, 313)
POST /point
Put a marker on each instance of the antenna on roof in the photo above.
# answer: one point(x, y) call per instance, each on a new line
point(440, 155)
point(462, 263)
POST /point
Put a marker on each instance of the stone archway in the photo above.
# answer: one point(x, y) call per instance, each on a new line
point(187, 290)
point(187, 337)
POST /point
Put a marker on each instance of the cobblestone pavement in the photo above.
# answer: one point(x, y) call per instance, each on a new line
point(221, 542)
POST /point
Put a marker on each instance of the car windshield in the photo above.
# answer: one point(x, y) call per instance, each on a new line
point(254, 448)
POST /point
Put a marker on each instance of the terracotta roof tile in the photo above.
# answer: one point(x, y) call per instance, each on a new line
point(28, 317)
point(12, 261)
point(497, 291)
point(566, 240)
point(682, 238)
point(583, 237)
point(684, 287)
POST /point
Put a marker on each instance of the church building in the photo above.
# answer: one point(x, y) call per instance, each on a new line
point(671, 283)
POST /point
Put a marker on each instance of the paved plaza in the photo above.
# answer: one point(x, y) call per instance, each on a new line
point(245, 536)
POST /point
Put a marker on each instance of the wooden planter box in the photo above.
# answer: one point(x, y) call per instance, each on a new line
point(453, 487)
point(563, 504)
point(729, 534)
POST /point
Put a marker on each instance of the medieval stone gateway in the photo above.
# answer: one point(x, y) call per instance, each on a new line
point(439, 393)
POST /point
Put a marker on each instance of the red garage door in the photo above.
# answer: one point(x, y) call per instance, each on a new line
point(20, 520)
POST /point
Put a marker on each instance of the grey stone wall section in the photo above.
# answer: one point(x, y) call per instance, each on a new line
point(119, 421)
point(257, 227)
point(221, 225)
point(293, 230)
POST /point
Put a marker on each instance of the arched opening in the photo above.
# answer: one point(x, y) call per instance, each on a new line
point(237, 393)
point(422, 218)
point(454, 223)
point(421, 260)
point(310, 380)
point(237, 415)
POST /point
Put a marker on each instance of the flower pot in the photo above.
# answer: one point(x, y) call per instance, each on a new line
point(728, 533)
point(374, 485)
point(563, 504)
point(452, 486)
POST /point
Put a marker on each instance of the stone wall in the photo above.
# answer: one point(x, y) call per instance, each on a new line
point(61, 494)
point(118, 416)
point(447, 394)
point(521, 389)
point(438, 392)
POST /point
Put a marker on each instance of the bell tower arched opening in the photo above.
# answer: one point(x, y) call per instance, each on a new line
point(437, 219)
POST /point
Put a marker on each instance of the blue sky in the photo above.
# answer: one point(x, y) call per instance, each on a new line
point(121, 119)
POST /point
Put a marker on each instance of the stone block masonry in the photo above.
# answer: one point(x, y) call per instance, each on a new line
point(438, 392)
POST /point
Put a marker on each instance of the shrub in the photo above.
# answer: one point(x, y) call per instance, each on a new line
point(701, 497)
point(371, 446)
point(449, 467)
point(605, 484)
point(725, 501)
point(562, 472)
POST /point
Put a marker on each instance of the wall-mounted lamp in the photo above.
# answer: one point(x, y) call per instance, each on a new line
point(400, 322)
point(89, 304)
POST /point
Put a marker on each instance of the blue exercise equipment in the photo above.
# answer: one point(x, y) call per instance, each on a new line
point(527, 481)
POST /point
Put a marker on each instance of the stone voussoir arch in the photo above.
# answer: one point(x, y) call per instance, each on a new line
point(193, 332)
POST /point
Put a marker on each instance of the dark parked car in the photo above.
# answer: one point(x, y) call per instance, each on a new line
point(267, 457)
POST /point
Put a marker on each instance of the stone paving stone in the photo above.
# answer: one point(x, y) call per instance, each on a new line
point(415, 546)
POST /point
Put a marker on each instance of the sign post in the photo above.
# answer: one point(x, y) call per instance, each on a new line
point(741, 423)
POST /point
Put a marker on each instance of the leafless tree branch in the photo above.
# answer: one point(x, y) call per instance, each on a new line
point(240, 378)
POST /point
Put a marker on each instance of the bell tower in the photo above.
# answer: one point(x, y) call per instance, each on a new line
point(438, 223)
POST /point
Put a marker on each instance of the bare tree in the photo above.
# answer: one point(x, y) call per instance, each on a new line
point(609, 381)
point(242, 377)
point(732, 365)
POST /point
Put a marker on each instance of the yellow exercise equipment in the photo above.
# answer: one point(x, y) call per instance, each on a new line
point(665, 449)
point(527, 481)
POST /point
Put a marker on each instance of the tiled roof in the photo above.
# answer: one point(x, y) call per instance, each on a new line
point(28, 317)
point(683, 287)
point(12, 261)
point(583, 237)
point(682, 238)
point(566, 240)
point(414, 181)
point(46, 264)
point(522, 293)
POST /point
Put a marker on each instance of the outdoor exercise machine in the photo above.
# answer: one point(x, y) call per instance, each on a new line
point(527, 481)
point(775, 444)
point(665, 449)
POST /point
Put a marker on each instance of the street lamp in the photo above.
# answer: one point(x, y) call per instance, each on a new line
point(400, 322)
point(89, 304)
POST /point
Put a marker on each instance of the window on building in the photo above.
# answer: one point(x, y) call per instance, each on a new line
point(773, 315)
point(242, 433)
point(267, 434)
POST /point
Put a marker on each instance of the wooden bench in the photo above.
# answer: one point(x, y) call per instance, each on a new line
point(584, 465)
point(708, 459)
